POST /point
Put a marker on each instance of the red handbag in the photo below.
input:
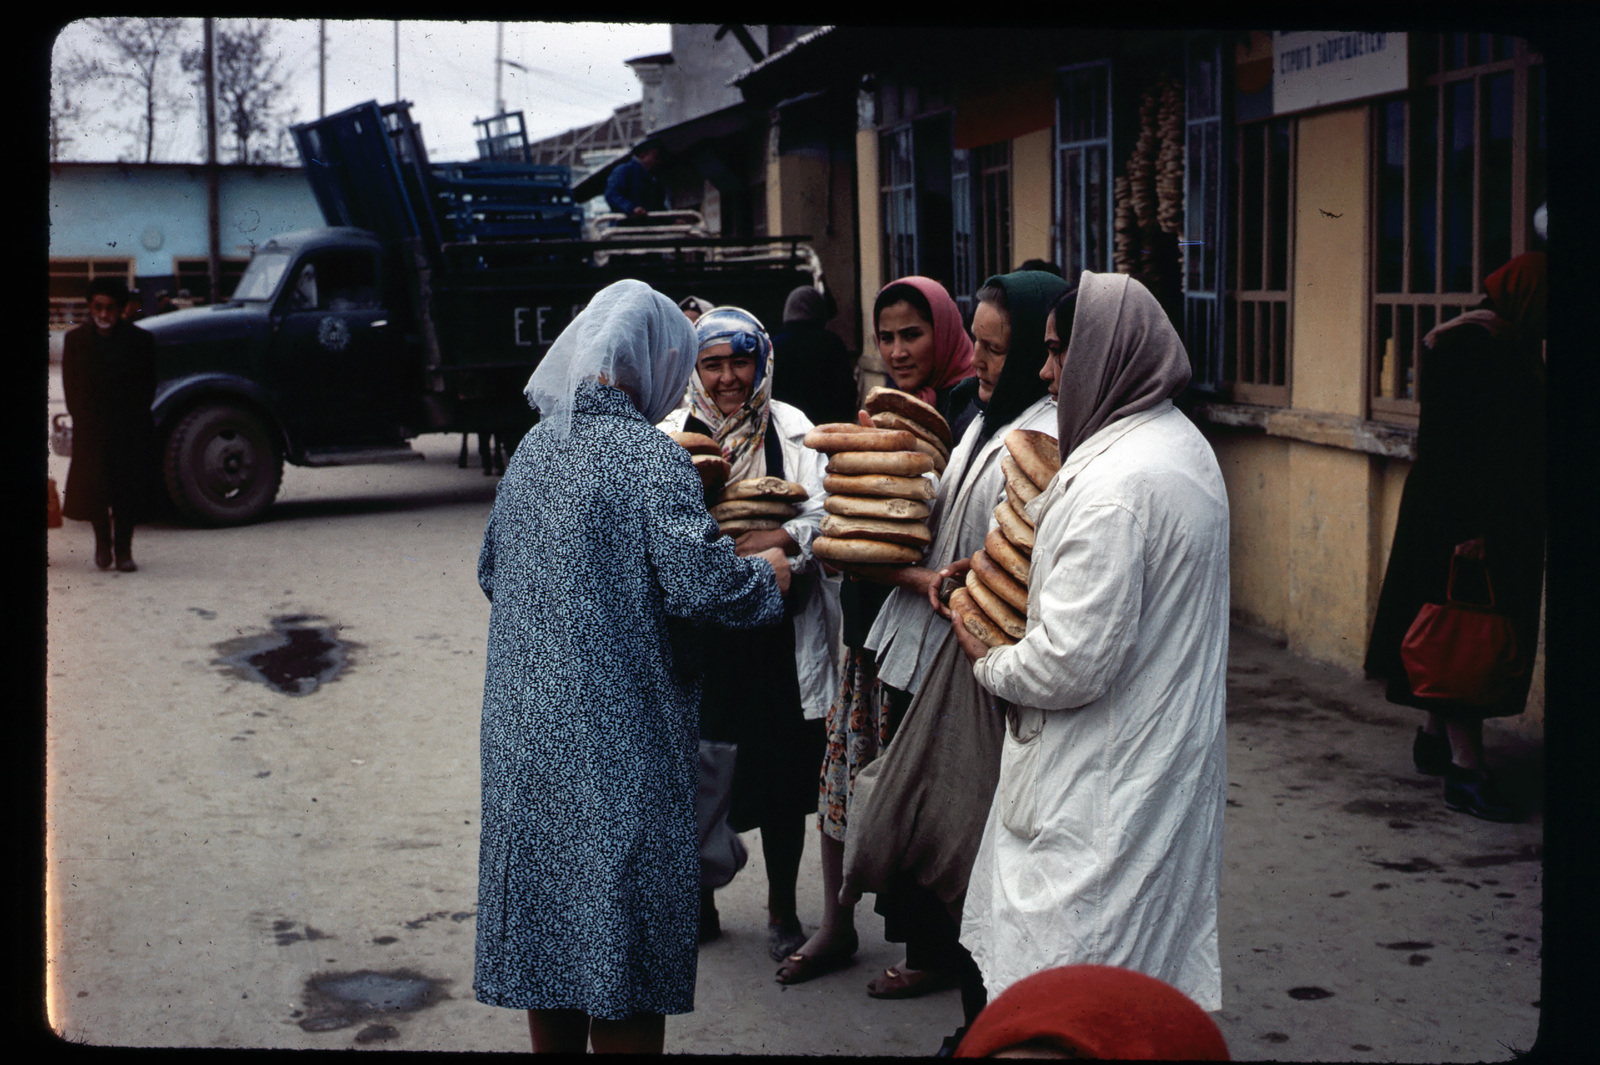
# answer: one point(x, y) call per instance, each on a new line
point(1462, 652)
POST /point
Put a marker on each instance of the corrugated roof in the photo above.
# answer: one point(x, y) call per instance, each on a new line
point(803, 41)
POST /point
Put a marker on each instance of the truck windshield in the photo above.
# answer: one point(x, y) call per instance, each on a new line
point(261, 277)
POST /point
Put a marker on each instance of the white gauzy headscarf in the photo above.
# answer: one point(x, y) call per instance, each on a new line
point(630, 335)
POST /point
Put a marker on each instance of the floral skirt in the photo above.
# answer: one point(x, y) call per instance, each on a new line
point(859, 728)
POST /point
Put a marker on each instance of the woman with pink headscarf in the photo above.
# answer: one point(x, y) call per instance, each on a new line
point(925, 346)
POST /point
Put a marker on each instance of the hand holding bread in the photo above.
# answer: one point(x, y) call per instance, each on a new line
point(780, 567)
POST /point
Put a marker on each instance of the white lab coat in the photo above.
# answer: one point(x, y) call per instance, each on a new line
point(818, 647)
point(1104, 840)
point(907, 633)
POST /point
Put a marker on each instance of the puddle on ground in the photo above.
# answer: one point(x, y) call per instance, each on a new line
point(299, 654)
point(342, 1000)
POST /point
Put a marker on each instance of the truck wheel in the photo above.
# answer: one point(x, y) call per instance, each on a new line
point(222, 465)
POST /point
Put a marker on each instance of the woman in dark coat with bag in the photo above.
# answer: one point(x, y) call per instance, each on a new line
point(1479, 475)
point(108, 372)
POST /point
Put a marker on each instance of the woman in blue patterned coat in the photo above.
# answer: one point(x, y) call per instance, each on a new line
point(601, 563)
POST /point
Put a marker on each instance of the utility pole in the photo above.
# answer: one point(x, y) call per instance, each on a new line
point(322, 67)
point(213, 209)
point(397, 60)
point(499, 50)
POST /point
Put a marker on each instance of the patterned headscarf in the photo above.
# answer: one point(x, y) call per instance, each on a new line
point(1099, 1012)
point(952, 348)
point(743, 433)
point(631, 337)
point(1123, 357)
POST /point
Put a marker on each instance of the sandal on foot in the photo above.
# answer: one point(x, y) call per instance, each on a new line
point(896, 984)
point(797, 968)
point(785, 938)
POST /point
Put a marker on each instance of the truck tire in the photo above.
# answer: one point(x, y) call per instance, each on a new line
point(222, 465)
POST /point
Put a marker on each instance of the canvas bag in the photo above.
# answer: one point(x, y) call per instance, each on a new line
point(722, 852)
point(920, 807)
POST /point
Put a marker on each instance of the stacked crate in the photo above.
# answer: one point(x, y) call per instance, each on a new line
point(483, 201)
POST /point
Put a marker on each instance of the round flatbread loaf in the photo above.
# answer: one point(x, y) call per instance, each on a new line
point(906, 405)
point(697, 444)
point(1037, 453)
point(743, 525)
point(888, 419)
point(765, 488)
point(713, 471)
point(877, 507)
point(998, 581)
point(910, 533)
point(831, 439)
point(1004, 554)
point(1019, 532)
point(975, 621)
point(1000, 612)
point(895, 463)
point(754, 508)
point(940, 458)
point(880, 484)
point(1018, 485)
point(864, 552)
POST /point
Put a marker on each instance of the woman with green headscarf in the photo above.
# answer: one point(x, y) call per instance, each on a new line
point(918, 862)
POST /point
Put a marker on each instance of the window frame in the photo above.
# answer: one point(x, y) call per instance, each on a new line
point(69, 270)
point(987, 208)
point(1422, 310)
point(1276, 355)
point(1074, 259)
point(1206, 307)
point(891, 193)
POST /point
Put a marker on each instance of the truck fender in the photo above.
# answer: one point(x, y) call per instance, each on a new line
point(175, 397)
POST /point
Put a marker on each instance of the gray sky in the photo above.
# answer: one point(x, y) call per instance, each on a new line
point(574, 76)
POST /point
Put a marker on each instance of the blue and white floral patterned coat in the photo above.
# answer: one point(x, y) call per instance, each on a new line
point(600, 560)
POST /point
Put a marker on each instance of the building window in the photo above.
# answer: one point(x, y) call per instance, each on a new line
point(897, 195)
point(1083, 169)
point(1263, 274)
point(980, 192)
point(193, 275)
point(1459, 169)
point(919, 234)
point(69, 286)
point(1204, 206)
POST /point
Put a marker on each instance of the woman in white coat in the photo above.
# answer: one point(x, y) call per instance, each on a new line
point(766, 690)
point(1104, 840)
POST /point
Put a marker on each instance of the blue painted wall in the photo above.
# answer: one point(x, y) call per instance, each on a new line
point(111, 209)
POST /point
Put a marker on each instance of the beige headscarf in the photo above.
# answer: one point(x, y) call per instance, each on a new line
point(1123, 357)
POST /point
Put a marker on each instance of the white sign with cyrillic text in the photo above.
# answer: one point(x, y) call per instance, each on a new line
point(1314, 69)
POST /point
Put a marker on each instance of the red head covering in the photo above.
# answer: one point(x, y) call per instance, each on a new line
point(1096, 1011)
point(952, 348)
point(1517, 291)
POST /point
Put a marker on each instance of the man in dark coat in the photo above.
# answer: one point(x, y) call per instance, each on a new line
point(811, 368)
point(633, 188)
point(108, 372)
point(1479, 476)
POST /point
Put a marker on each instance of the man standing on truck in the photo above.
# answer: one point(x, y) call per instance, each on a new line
point(633, 189)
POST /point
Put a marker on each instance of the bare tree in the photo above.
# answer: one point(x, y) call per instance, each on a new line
point(250, 90)
point(139, 49)
point(66, 102)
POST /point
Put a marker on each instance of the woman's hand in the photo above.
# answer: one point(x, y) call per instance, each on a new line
point(954, 569)
point(971, 646)
point(916, 578)
point(753, 543)
point(780, 567)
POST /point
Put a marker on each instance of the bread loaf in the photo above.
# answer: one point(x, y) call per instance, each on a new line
point(713, 470)
point(998, 581)
point(739, 526)
point(910, 533)
point(754, 508)
point(888, 419)
point(895, 463)
point(1018, 531)
point(1037, 453)
point(1018, 486)
point(838, 436)
point(906, 405)
point(765, 488)
point(876, 507)
point(878, 484)
point(697, 443)
point(998, 610)
point(864, 552)
point(975, 621)
point(1004, 554)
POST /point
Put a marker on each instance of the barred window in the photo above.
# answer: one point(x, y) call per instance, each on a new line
point(1083, 169)
point(898, 202)
point(1203, 212)
point(981, 200)
point(1263, 275)
point(1458, 171)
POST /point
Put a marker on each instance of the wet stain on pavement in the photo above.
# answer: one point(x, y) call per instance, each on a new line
point(1415, 865)
point(285, 933)
point(1309, 994)
point(342, 1000)
point(1273, 1037)
point(384, 941)
point(299, 654)
point(1531, 852)
point(1407, 944)
point(436, 915)
point(1387, 808)
point(1418, 959)
point(209, 615)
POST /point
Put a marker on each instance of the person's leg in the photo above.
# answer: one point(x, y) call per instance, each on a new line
point(1468, 787)
point(783, 844)
point(838, 929)
point(1466, 741)
point(102, 540)
point(122, 542)
point(558, 1031)
point(643, 1033)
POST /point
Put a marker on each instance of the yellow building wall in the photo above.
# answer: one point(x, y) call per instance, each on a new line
point(1330, 256)
point(870, 367)
point(1031, 196)
point(797, 203)
point(1256, 472)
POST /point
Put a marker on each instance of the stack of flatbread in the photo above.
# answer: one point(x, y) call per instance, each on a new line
point(994, 604)
point(893, 409)
point(756, 504)
point(877, 497)
point(709, 462)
